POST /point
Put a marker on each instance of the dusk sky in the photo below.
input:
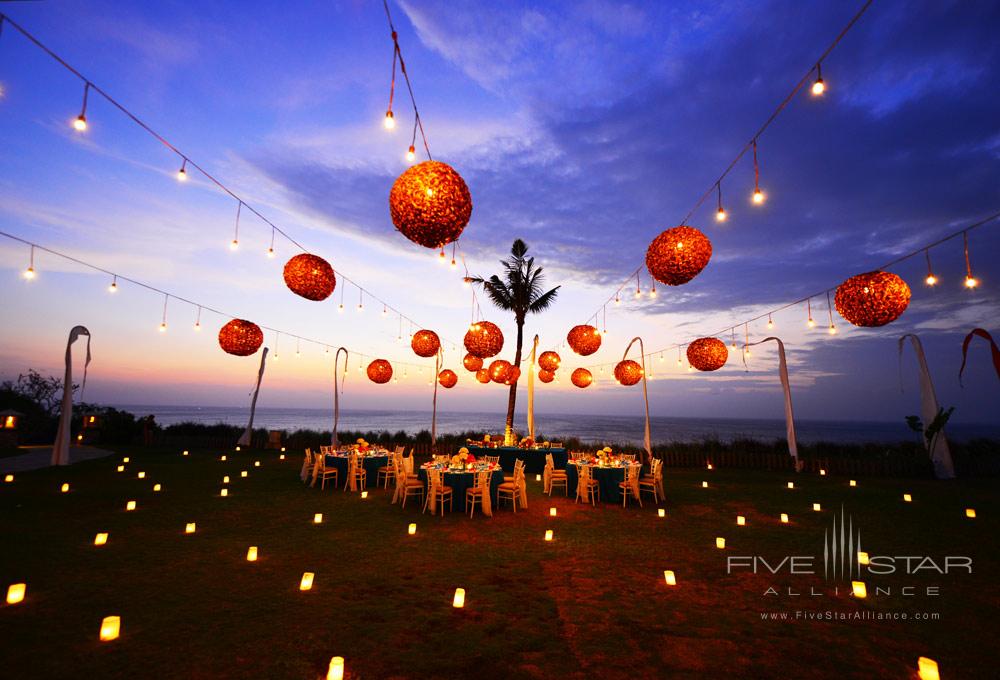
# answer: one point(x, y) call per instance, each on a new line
point(583, 127)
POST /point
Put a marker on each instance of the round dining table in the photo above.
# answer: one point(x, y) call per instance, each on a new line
point(370, 461)
point(608, 477)
point(460, 480)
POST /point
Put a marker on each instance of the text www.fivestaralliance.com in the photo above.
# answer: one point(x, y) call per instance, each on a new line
point(848, 616)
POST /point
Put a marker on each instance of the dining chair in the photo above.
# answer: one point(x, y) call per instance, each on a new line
point(474, 494)
point(324, 473)
point(653, 482)
point(630, 485)
point(587, 487)
point(439, 491)
point(512, 489)
point(555, 477)
point(407, 485)
point(356, 469)
point(307, 465)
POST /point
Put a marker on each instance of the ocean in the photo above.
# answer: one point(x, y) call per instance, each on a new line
point(554, 426)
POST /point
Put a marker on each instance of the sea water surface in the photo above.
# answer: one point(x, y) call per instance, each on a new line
point(605, 428)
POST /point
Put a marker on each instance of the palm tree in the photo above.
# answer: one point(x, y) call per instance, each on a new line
point(517, 290)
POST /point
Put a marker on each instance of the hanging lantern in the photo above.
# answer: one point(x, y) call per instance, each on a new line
point(310, 276)
point(546, 376)
point(483, 375)
point(678, 255)
point(430, 204)
point(484, 340)
point(584, 340)
point(512, 375)
point(447, 378)
point(707, 354)
point(872, 299)
point(549, 361)
point(472, 362)
point(380, 371)
point(499, 370)
point(240, 337)
point(582, 377)
point(628, 372)
point(425, 343)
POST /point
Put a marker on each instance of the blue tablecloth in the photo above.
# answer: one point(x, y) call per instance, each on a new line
point(608, 478)
point(370, 463)
point(534, 459)
point(460, 482)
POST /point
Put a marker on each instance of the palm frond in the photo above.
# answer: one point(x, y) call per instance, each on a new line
point(544, 301)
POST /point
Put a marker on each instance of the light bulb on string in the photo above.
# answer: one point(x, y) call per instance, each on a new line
point(970, 281)
point(163, 321)
point(340, 309)
point(80, 123)
point(389, 122)
point(652, 290)
point(411, 154)
point(638, 290)
point(819, 87)
point(270, 249)
point(29, 273)
point(931, 280)
point(298, 352)
point(454, 245)
point(236, 233)
point(182, 173)
point(197, 321)
point(441, 257)
point(770, 323)
point(720, 213)
point(746, 338)
point(618, 301)
point(361, 300)
point(809, 321)
point(385, 311)
point(277, 336)
point(113, 288)
point(758, 195)
point(832, 330)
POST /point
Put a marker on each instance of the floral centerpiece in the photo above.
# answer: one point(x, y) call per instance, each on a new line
point(362, 446)
point(463, 458)
point(527, 443)
point(604, 455)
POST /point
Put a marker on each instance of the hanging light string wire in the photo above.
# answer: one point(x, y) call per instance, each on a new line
point(187, 161)
point(963, 233)
point(398, 54)
point(116, 277)
point(749, 146)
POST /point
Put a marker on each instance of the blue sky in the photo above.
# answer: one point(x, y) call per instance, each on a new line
point(583, 127)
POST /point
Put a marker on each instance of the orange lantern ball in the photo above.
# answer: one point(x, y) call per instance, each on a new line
point(484, 339)
point(546, 376)
point(425, 343)
point(707, 354)
point(582, 377)
point(472, 362)
point(628, 372)
point(512, 375)
point(678, 255)
point(310, 276)
point(872, 299)
point(499, 370)
point(430, 204)
point(380, 371)
point(240, 337)
point(447, 378)
point(483, 375)
point(584, 340)
point(548, 361)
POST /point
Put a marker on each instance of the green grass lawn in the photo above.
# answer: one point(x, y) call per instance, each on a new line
point(593, 603)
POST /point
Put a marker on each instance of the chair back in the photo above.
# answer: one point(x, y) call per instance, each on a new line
point(555, 445)
point(629, 457)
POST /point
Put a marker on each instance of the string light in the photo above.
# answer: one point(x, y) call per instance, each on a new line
point(618, 301)
point(720, 213)
point(652, 288)
point(411, 154)
point(770, 323)
point(970, 281)
point(270, 249)
point(29, 273)
point(746, 338)
point(276, 337)
point(80, 124)
point(340, 309)
point(638, 290)
point(390, 121)
point(197, 321)
point(163, 321)
point(361, 300)
point(453, 246)
point(829, 308)
point(236, 234)
point(182, 173)
point(819, 87)
point(298, 353)
point(680, 363)
point(809, 311)
point(931, 279)
point(758, 195)
point(113, 288)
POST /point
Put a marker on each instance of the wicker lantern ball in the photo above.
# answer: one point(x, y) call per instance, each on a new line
point(512, 375)
point(499, 370)
point(425, 343)
point(484, 340)
point(447, 378)
point(872, 299)
point(430, 204)
point(707, 354)
point(582, 377)
point(584, 340)
point(628, 372)
point(548, 361)
point(483, 375)
point(678, 255)
point(472, 362)
point(380, 371)
point(310, 276)
point(546, 376)
point(240, 337)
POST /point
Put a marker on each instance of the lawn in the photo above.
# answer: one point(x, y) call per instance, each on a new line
point(592, 603)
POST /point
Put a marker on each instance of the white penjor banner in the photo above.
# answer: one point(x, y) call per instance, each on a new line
point(337, 389)
point(793, 446)
point(939, 452)
point(60, 450)
point(248, 433)
point(531, 391)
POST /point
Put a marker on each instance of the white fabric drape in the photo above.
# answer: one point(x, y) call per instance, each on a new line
point(531, 390)
point(60, 450)
point(940, 453)
point(645, 393)
point(486, 479)
point(248, 433)
point(434, 409)
point(337, 389)
point(793, 446)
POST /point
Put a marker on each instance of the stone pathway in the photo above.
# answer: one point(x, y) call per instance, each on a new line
point(40, 456)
